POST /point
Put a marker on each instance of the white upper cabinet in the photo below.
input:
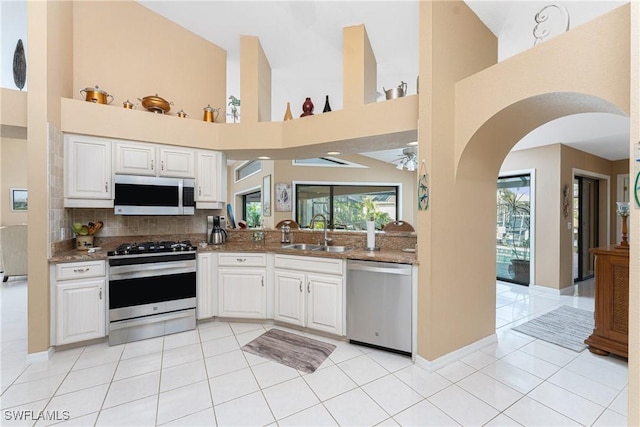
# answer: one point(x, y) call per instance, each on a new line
point(87, 172)
point(133, 158)
point(176, 162)
point(211, 179)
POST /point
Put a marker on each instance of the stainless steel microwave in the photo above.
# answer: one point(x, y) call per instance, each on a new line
point(150, 195)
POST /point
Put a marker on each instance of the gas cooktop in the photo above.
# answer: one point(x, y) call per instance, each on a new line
point(152, 247)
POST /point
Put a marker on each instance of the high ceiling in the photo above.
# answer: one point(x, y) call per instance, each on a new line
point(303, 42)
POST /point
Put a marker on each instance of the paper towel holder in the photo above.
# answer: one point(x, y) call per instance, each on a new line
point(371, 238)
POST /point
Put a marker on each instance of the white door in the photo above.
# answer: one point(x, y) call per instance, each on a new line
point(290, 297)
point(135, 159)
point(80, 311)
point(242, 293)
point(87, 169)
point(324, 303)
point(177, 163)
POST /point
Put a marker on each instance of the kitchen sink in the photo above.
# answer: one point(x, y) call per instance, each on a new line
point(334, 249)
point(319, 248)
point(302, 247)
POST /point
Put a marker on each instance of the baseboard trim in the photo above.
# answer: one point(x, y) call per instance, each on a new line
point(568, 290)
point(41, 356)
point(442, 361)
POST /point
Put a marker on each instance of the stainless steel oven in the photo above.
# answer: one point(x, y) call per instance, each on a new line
point(152, 292)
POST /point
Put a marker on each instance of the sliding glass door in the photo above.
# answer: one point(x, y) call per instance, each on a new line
point(513, 240)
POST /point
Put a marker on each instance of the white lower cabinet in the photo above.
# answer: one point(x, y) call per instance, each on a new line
point(80, 295)
point(307, 298)
point(206, 304)
point(242, 285)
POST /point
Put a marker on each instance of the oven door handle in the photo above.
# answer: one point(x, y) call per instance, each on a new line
point(150, 319)
point(175, 267)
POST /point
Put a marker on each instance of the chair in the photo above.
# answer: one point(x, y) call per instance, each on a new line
point(13, 250)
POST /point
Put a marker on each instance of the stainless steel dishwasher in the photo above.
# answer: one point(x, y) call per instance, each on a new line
point(379, 305)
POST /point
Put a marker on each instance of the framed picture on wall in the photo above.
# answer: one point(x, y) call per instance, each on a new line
point(283, 197)
point(266, 196)
point(18, 199)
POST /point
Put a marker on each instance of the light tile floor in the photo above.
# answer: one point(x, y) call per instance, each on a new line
point(202, 377)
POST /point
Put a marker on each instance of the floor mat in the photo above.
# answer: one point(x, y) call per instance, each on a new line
point(298, 352)
point(566, 326)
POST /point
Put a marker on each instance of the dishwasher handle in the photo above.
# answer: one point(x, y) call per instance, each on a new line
point(403, 270)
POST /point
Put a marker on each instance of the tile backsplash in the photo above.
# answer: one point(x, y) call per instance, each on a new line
point(134, 225)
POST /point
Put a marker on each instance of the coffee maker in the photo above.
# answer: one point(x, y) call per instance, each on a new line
point(216, 229)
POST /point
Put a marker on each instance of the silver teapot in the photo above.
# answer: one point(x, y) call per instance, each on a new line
point(396, 92)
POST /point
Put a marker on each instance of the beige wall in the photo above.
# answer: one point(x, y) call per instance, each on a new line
point(554, 167)
point(49, 30)
point(252, 183)
point(13, 174)
point(456, 306)
point(132, 52)
point(633, 418)
point(282, 171)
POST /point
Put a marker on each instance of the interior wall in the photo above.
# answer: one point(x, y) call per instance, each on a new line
point(633, 416)
point(376, 172)
point(454, 44)
point(160, 58)
point(13, 174)
point(237, 189)
point(554, 165)
point(49, 74)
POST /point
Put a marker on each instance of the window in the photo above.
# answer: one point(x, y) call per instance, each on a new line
point(247, 169)
point(346, 207)
point(513, 232)
point(251, 209)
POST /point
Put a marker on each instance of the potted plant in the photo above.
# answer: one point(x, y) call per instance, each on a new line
point(517, 213)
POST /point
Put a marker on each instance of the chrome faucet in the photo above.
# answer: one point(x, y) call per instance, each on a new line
point(324, 219)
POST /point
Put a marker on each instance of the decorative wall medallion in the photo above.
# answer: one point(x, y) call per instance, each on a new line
point(423, 189)
point(19, 65)
point(283, 197)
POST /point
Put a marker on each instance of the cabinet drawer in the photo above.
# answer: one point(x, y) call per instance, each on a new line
point(310, 264)
point(80, 270)
point(242, 259)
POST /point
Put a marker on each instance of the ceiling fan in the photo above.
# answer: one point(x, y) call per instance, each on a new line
point(408, 159)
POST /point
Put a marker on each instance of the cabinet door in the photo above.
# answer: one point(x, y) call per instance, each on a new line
point(80, 311)
point(324, 303)
point(211, 175)
point(242, 293)
point(87, 170)
point(290, 297)
point(205, 301)
point(135, 159)
point(175, 162)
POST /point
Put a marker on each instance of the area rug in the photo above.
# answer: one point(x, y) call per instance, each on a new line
point(566, 326)
point(298, 352)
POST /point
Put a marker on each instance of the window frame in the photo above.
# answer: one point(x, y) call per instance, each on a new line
point(294, 201)
point(244, 165)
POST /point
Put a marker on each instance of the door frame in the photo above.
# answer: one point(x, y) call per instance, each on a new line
point(532, 216)
point(604, 199)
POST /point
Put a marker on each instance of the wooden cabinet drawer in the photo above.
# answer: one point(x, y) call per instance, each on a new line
point(242, 259)
point(80, 270)
point(309, 264)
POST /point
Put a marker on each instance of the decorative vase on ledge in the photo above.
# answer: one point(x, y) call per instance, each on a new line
point(307, 108)
point(287, 114)
point(327, 107)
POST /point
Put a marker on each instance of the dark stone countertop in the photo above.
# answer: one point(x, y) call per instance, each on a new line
point(383, 255)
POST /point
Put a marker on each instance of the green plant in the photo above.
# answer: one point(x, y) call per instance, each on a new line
point(517, 221)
